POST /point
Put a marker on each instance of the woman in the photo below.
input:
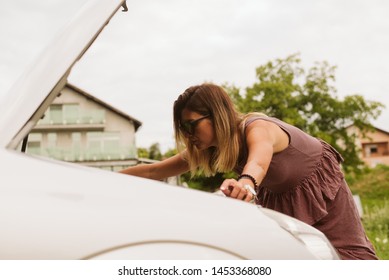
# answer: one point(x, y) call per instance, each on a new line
point(280, 166)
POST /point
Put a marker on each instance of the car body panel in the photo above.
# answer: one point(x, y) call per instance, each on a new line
point(78, 212)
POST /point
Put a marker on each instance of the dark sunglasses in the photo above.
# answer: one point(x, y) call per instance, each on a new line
point(189, 126)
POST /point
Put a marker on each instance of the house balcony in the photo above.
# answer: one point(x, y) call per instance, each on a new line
point(93, 120)
point(86, 155)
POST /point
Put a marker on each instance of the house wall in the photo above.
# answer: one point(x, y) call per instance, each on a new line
point(89, 133)
point(113, 121)
point(85, 131)
point(374, 146)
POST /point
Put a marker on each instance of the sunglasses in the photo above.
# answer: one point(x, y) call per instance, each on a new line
point(190, 126)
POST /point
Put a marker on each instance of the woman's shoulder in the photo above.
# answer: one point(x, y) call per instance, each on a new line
point(297, 137)
point(250, 118)
point(263, 121)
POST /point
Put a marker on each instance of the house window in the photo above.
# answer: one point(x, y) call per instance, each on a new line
point(71, 113)
point(55, 111)
point(103, 140)
point(34, 143)
point(103, 145)
point(371, 150)
point(63, 114)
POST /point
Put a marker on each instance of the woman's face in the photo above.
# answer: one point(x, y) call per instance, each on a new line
point(201, 132)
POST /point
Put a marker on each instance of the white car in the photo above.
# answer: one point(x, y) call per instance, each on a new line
point(51, 209)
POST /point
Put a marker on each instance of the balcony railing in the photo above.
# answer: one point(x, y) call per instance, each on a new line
point(118, 153)
point(85, 117)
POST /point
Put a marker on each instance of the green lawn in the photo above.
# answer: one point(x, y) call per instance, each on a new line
point(373, 188)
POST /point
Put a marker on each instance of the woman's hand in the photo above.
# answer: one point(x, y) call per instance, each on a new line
point(235, 189)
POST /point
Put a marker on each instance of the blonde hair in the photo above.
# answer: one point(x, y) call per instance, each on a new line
point(212, 100)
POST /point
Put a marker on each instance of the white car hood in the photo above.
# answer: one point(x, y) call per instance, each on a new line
point(56, 210)
point(40, 84)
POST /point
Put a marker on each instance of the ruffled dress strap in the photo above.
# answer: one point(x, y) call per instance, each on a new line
point(307, 200)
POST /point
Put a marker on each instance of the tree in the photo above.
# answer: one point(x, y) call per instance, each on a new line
point(143, 153)
point(170, 153)
point(308, 101)
point(155, 152)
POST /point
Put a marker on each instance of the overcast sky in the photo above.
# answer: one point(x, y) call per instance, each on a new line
point(146, 57)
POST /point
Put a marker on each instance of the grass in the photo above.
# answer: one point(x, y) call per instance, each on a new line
point(373, 188)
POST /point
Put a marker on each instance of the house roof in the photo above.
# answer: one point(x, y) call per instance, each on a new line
point(137, 123)
point(376, 128)
point(381, 130)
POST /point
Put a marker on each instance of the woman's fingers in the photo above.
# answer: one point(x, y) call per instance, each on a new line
point(227, 186)
point(234, 189)
point(249, 197)
point(238, 192)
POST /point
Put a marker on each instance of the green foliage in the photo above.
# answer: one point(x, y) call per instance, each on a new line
point(376, 223)
point(307, 99)
point(170, 153)
point(153, 152)
point(372, 185)
point(143, 153)
point(208, 184)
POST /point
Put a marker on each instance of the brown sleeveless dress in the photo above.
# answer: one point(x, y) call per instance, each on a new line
point(305, 181)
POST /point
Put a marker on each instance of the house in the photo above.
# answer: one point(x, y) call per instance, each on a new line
point(374, 145)
point(78, 127)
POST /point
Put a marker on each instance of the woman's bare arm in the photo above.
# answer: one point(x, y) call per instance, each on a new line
point(263, 139)
point(169, 167)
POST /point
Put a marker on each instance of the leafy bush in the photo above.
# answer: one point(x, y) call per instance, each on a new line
point(376, 223)
point(372, 185)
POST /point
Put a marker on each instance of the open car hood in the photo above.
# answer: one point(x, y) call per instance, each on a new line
point(29, 97)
